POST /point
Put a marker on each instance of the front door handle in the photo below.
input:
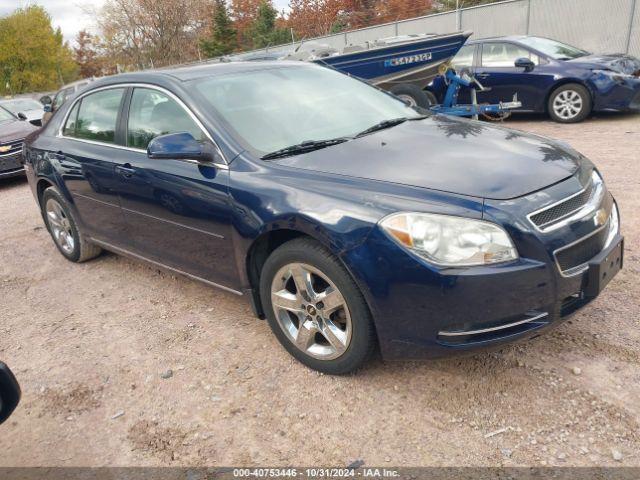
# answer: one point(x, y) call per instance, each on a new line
point(126, 170)
point(482, 75)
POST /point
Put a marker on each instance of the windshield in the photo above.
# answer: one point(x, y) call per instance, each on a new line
point(5, 116)
point(553, 49)
point(25, 105)
point(271, 109)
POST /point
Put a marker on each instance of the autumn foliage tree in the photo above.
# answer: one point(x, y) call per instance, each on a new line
point(86, 54)
point(33, 56)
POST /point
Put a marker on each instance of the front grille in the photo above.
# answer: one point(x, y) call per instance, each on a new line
point(581, 252)
point(9, 163)
point(561, 210)
point(13, 148)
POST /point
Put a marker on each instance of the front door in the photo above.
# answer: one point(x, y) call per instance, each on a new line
point(178, 212)
point(497, 71)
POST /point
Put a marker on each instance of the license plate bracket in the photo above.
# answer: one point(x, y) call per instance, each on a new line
point(603, 268)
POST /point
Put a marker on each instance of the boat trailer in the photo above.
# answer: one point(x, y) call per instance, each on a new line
point(450, 105)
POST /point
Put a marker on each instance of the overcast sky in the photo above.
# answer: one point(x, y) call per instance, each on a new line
point(70, 14)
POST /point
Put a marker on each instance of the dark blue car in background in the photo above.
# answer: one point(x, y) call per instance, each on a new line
point(548, 76)
point(348, 219)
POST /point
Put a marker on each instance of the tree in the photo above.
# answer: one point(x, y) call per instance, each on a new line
point(314, 18)
point(394, 10)
point(244, 13)
point(264, 31)
point(33, 56)
point(87, 55)
point(152, 33)
point(223, 39)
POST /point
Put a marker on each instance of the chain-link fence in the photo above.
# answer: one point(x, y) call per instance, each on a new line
point(600, 26)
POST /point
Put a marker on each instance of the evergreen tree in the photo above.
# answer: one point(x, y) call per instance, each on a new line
point(223, 39)
point(264, 31)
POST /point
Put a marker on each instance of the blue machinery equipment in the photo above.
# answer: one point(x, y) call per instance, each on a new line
point(450, 106)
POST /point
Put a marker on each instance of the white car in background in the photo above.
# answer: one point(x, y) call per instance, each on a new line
point(30, 108)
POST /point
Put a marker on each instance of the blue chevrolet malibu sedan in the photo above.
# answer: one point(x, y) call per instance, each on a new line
point(348, 219)
point(549, 77)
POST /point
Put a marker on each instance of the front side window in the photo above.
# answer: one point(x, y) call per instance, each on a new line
point(505, 55)
point(97, 116)
point(464, 57)
point(272, 108)
point(153, 113)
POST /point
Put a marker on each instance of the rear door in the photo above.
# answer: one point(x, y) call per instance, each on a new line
point(89, 151)
point(178, 212)
point(497, 71)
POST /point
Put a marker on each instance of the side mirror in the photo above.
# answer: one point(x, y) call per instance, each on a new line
point(22, 116)
point(525, 63)
point(9, 392)
point(46, 100)
point(48, 108)
point(180, 146)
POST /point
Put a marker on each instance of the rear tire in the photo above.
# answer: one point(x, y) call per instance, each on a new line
point(570, 103)
point(413, 96)
point(63, 227)
point(315, 309)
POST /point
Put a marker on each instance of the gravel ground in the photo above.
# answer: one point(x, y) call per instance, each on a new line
point(92, 346)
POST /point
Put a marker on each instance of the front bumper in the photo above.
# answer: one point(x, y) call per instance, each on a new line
point(423, 311)
point(622, 95)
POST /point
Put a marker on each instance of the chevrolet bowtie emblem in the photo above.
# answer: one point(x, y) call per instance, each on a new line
point(5, 148)
point(600, 217)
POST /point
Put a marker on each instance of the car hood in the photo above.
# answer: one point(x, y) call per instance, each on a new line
point(15, 130)
point(616, 62)
point(451, 155)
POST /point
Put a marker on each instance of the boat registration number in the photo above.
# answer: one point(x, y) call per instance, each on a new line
point(395, 62)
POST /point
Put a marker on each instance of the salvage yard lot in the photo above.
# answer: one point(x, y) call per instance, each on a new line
point(92, 344)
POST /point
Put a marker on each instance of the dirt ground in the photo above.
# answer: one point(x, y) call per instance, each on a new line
point(92, 343)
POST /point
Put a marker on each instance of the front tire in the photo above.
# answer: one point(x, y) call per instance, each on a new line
point(570, 103)
point(63, 227)
point(315, 309)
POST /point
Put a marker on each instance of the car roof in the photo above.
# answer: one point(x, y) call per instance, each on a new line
point(186, 73)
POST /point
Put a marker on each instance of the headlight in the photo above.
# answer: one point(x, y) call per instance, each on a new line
point(450, 241)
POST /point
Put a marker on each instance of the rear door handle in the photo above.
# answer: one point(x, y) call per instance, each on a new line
point(126, 170)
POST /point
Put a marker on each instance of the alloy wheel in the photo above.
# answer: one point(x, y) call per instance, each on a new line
point(568, 104)
point(60, 226)
point(311, 311)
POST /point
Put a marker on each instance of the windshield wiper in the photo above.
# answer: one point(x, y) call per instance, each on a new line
point(304, 147)
point(388, 124)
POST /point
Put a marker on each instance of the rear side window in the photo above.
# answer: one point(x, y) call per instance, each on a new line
point(153, 113)
point(97, 116)
point(505, 55)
